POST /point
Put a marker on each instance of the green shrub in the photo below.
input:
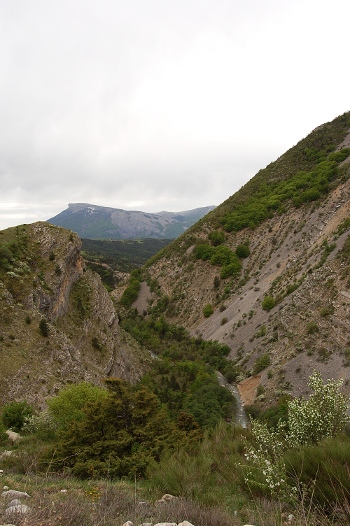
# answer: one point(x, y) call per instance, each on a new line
point(222, 256)
point(261, 363)
point(216, 237)
point(15, 414)
point(204, 251)
point(44, 327)
point(131, 293)
point(208, 310)
point(68, 405)
point(119, 435)
point(242, 251)
point(268, 303)
point(312, 327)
point(322, 415)
point(232, 269)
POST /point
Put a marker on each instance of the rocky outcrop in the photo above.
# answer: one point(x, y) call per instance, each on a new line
point(58, 323)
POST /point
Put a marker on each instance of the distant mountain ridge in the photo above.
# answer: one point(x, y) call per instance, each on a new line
point(100, 222)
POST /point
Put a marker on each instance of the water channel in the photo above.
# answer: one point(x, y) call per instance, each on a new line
point(240, 415)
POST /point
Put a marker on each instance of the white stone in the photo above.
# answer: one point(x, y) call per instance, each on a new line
point(13, 436)
point(166, 524)
point(13, 494)
point(128, 523)
point(22, 509)
point(63, 491)
point(14, 502)
point(185, 523)
point(167, 497)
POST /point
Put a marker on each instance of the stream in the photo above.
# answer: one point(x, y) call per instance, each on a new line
point(240, 415)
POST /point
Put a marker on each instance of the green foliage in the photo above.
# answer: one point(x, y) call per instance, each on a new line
point(232, 269)
point(261, 363)
point(323, 415)
point(41, 425)
point(122, 255)
point(119, 436)
point(322, 468)
point(190, 387)
point(268, 303)
point(220, 256)
point(208, 473)
point(208, 310)
point(15, 414)
point(242, 251)
point(68, 405)
point(312, 327)
point(183, 377)
point(216, 237)
point(3, 436)
point(303, 174)
point(204, 251)
point(44, 328)
point(131, 293)
point(208, 402)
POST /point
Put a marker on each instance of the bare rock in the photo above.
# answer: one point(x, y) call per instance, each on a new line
point(14, 502)
point(13, 494)
point(21, 509)
point(13, 436)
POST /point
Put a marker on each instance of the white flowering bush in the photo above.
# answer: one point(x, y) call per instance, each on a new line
point(266, 469)
point(322, 415)
point(42, 425)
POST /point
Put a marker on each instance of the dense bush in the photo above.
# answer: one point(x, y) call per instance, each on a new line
point(275, 453)
point(131, 292)
point(15, 415)
point(44, 327)
point(69, 404)
point(216, 237)
point(261, 363)
point(119, 435)
point(208, 310)
point(242, 251)
point(220, 256)
point(268, 303)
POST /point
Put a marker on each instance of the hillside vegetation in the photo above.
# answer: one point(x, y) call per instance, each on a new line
point(122, 401)
point(267, 272)
point(57, 321)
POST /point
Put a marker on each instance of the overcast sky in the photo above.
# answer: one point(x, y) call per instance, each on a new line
point(159, 104)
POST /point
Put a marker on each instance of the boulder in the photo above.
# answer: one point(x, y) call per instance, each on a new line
point(14, 502)
point(13, 494)
point(13, 436)
point(21, 509)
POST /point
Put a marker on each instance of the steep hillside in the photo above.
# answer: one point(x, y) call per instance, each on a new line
point(99, 222)
point(268, 271)
point(57, 321)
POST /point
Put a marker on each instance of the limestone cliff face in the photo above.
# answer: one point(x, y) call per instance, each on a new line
point(43, 280)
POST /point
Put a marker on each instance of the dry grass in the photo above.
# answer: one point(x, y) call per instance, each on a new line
point(102, 503)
